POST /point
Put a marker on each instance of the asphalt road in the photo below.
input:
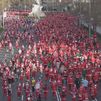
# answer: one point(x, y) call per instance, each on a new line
point(14, 85)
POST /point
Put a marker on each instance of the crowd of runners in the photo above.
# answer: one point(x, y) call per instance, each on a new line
point(66, 59)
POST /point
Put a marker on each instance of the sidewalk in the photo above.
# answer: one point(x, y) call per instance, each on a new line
point(98, 28)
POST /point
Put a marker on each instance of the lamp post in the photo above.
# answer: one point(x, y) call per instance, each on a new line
point(79, 12)
point(89, 17)
point(80, 6)
point(3, 13)
point(25, 5)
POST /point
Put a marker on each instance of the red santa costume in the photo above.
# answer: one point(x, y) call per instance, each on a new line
point(45, 91)
point(19, 90)
point(70, 82)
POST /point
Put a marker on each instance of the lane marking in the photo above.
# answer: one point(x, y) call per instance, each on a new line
point(22, 98)
point(59, 95)
point(58, 99)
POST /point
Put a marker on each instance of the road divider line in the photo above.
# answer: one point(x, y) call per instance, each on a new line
point(57, 96)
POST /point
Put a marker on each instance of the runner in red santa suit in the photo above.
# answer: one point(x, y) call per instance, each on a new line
point(9, 93)
point(25, 61)
point(86, 96)
point(65, 72)
point(20, 52)
point(55, 73)
point(46, 71)
point(12, 76)
point(74, 92)
point(80, 97)
point(19, 90)
point(10, 46)
point(38, 92)
point(18, 64)
point(8, 75)
point(3, 43)
point(51, 74)
point(5, 88)
point(34, 71)
point(28, 73)
point(38, 87)
point(89, 76)
point(80, 93)
point(1, 46)
point(28, 52)
point(7, 71)
point(64, 93)
point(59, 81)
point(70, 82)
point(96, 77)
point(98, 70)
point(27, 91)
point(54, 87)
point(45, 91)
point(26, 86)
point(93, 91)
point(1, 70)
point(23, 48)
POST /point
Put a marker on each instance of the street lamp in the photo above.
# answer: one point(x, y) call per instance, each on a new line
point(89, 17)
point(79, 12)
point(3, 13)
